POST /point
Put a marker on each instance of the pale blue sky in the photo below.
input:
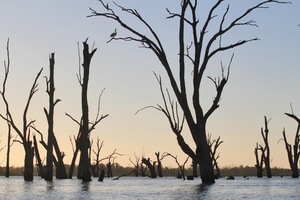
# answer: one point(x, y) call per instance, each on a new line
point(263, 78)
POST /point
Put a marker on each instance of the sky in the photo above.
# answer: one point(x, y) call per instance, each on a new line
point(263, 78)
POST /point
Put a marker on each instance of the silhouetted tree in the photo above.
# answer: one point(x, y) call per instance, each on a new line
point(40, 167)
point(50, 119)
point(159, 166)
point(266, 152)
point(9, 135)
point(24, 132)
point(214, 145)
point(204, 47)
point(136, 165)
point(150, 166)
point(83, 137)
point(84, 141)
point(111, 161)
point(96, 171)
point(293, 152)
point(181, 167)
point(259, 160)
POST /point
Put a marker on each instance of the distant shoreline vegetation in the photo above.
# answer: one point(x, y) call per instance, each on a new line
point(119, 170)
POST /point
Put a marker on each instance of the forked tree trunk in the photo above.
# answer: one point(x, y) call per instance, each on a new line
point(259, 161)
point(205, 159)
point(84, 172)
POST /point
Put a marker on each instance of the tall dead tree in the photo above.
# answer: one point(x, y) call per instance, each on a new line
point(23, 133)
point(204, 47)
point(293, 152)
point(266, 152)
point(50, 119)
point(83, 137)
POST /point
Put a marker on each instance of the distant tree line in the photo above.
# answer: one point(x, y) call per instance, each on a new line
point(167, 171)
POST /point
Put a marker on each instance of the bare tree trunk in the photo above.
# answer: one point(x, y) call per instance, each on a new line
point(109, 170)
point(259, 162)
point(28, 162)
point(150, 166)
point(85, 173)
point(204, 157)
point(293, 152)
point(266, 154)
point(159, 166)
point(40, 167)
point(72, 166)
point(8, 150)
point(195, 168)
point(50, 116)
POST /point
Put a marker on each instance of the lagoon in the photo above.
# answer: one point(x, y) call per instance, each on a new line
point(146, 188)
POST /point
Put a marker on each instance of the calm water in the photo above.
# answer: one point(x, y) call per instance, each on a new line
point(146, 188)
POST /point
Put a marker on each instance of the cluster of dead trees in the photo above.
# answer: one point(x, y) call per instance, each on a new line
point(262, 152)
point(27, 133)
point(142, 164)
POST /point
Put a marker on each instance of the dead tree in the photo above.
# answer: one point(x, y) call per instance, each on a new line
point(83, 138)
point(181, 167)
point(266, 151)
point(75, 150)
point(9, 144)
point(50, 119)
point(84, 141)
point(159, 166)
point(111, 161)
point(204, 47)
point(23, 133)
point(150, 166)
point(259, 160)
point(96, 171)
point(214, 144)
point(293, 152)
point(40, 167)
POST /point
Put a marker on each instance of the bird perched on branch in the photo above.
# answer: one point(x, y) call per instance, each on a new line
point(114, 34)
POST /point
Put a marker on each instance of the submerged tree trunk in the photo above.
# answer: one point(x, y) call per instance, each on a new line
point(195, 168)
point(40, 166)
point(259, 161)
point(293, 151)
point(205, 159)
point(150, 166)
point(28, 162)
point(159, 165)
point(50, 115)
point(8, 150)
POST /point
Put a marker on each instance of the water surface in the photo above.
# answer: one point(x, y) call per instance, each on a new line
point(146, 188)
